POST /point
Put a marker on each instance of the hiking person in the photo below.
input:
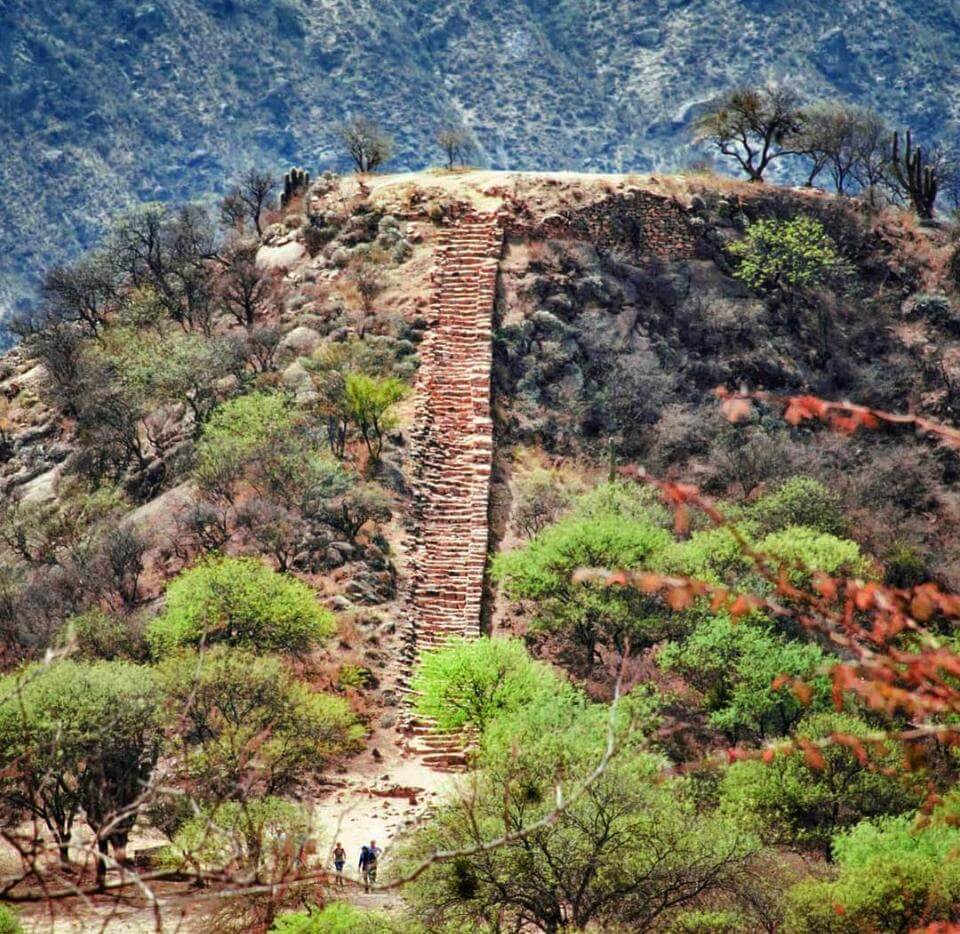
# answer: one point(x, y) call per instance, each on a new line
point(368, 864)
point(339, 859)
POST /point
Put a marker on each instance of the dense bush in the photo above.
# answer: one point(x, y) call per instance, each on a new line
point(799, 501)
point(895, 874)
point(796, 799)
point(237, 432)
point(247, 722)
point(242, 602)
point(470, 683)
point(735, 665)
point(98, 635)
point(586, 613)
point(791, 254)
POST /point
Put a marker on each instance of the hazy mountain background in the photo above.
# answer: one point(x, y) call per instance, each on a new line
point(107, 103)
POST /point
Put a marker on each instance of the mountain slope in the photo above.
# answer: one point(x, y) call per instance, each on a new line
point(102, 105)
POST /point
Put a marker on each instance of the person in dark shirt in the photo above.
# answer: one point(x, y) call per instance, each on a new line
point(368, 864)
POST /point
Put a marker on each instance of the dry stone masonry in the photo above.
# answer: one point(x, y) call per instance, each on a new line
point(638, 224)
point(452, 454)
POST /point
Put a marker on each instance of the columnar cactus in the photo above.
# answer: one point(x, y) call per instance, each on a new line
point(919, 181)
point(295, 182)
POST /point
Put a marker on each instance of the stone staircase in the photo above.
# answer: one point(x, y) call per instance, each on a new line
point(452, 457)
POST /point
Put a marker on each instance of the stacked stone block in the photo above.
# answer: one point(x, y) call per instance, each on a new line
point(452, 456)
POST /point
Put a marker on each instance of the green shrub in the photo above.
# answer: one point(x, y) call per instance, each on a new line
point(471, 682)
point(97, 635)
point(268, 837)
point(235, 433)
point(369, 401)
point(543, 571)
point(805, 550)
point(734, 665)
point(799, 501)
point(247, 722)
point(610, 859)
point(795, 253)
point(9, 921)
point(793, 800)
point(242, 602)
point(339, 918)
point(82, 735)
point(895, 874)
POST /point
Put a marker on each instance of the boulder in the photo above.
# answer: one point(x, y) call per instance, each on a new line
point(285, 256)
point(41, 489)
point(300, 342)
point(296, 380)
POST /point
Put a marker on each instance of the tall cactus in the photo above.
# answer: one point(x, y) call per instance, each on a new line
point(919, 181)
point(295, 182)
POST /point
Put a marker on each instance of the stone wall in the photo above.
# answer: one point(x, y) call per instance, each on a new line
point(636, 225)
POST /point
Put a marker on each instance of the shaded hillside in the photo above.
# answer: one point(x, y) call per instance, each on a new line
point(105, 105)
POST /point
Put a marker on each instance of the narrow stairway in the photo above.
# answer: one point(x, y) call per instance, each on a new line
point(452, 454)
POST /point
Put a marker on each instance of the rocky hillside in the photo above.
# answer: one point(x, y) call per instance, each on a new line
point(285, 444)
point(139, 101)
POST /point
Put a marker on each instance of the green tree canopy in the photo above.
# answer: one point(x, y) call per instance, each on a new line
point(242, 602)
point(794, 800)
point(472, 682)
point(626, 852)
point(79, 735)
point(896, 874)
point(543, 571)
point(735, 664)
point(248, 723)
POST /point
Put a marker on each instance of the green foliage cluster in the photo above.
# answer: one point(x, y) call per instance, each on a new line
point(97, 635)
point(470, 683)
point(9, 921)
point(543, 572)
point(799, 501)
point(734, 664)
point(369, 401)
point(341, 918)
point(620, 526)
point(789, 254)
point(79, 735)
point(894, 874)
point(237, 431)
point(267, 837)
point(609, 858)
point(795, 800)
point(242, 602)
point(248, 721)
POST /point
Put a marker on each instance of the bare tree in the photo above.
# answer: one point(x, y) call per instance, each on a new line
point(847, 141)
point(456, 144)
point(872, 167)
point(245, 289)
point(81, 292)
point(754, 125)
point(249, 198)
point(368, 145)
